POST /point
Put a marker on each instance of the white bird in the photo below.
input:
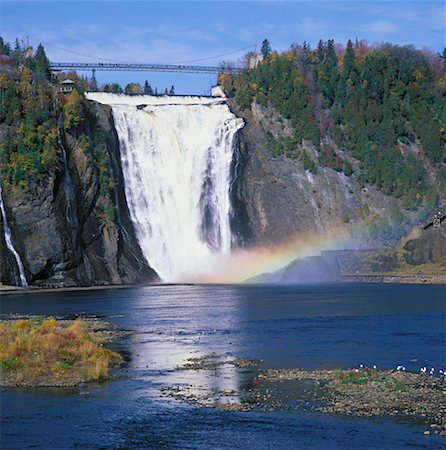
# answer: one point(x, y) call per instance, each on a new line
point(403, 368)
point(361, 366)
point(399, 367)
point(374, 366)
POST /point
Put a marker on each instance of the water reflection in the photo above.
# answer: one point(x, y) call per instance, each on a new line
point(169, 341)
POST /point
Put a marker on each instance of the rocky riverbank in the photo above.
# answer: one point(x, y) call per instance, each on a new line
point(355, 392)
point(371, 392)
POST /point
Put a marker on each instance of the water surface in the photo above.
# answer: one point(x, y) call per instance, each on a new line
point(316, 326)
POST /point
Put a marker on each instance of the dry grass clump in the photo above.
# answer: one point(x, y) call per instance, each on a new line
point(46, 353)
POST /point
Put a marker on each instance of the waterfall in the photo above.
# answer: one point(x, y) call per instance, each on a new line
point(10, 245)
point(176, 155)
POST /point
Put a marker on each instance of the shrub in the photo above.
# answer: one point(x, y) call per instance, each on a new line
point(49, 353)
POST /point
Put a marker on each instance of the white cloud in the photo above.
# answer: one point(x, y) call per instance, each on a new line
point(382, 26)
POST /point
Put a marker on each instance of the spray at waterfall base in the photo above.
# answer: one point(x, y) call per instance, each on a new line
point(243, 264)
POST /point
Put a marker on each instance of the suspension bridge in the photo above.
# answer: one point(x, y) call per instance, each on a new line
point(124, 67)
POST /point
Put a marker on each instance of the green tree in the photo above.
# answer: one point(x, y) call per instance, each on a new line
point(5, 48)
point(147, 88)
point(43, 66)
point(93, 83)
point(265, 49)
point(349, 61)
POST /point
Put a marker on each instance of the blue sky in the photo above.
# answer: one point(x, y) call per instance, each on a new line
point(201, 32)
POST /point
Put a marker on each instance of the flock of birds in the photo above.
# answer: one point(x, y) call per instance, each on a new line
point(402, 368)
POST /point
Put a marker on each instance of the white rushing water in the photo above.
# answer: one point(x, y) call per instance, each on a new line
point(9, 243)
point(176, 155)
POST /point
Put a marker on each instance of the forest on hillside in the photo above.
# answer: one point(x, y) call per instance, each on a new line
point(382, 107)
point(33, 113)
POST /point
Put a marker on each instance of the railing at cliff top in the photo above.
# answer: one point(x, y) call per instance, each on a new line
point(144, 68)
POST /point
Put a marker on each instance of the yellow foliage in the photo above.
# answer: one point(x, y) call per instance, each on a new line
point(32, 352)
point(21, 325)
point(419, 75)
point(73, 110)
point(4, 81)
point(442, 84)
point(25, 84)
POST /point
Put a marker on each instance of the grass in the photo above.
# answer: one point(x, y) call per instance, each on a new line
point(39, 352)
point(364, 377)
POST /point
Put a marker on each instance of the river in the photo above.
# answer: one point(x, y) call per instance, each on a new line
point(311, 326)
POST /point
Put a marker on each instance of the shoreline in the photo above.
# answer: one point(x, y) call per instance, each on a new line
point(394, 277)
point(14, 290)
point(391, 278)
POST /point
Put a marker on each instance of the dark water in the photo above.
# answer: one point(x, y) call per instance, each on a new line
point(320, 326)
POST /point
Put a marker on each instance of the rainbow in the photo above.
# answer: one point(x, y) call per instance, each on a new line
point(243, 264)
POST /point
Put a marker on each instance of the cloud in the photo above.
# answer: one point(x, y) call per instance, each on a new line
point(382, 26)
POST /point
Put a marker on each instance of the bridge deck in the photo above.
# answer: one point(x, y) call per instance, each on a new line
point(142, 67)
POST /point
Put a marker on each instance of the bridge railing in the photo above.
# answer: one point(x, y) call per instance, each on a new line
point(144, 67)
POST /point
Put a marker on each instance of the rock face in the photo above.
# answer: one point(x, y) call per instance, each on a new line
point(281, 199)
point(430, 247)
point(67, 232)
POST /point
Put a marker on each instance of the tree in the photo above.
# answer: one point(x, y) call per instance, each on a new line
point(5, 48)
point(147, 88)
point(266, 49)
point(166, 92)
point(320, 52)
point(73, 110)
point(443, 55)
point(43, 66)
point(349, 60)
point(93, 84)
point(172, 90)
point(133, 88)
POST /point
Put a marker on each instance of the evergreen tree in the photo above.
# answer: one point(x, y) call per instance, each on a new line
point(266, 49)
point(349, 60)
point(5, 48)
point(93, 84)
point(332, 59)
point(43, 67)
point(166, 92)
point(147, 88)
point(320, 52)
point(443, 55)
point(116, 88)
point(172, 90)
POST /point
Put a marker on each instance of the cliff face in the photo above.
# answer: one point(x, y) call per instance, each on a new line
point(281, 199)
point(68, 233)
